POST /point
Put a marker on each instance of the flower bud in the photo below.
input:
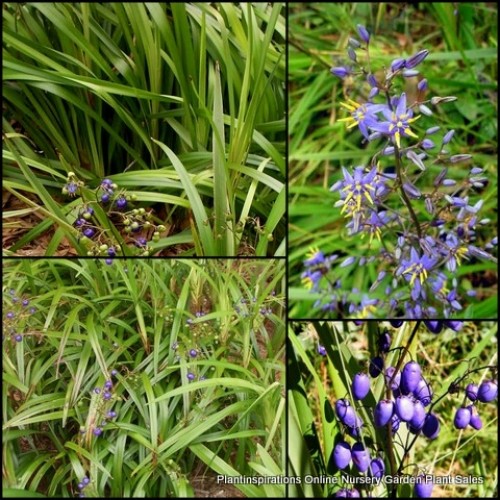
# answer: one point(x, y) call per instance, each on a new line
point(340, 71)
point(397, 64)
point(409, 73)
point(354, 43)
point(416, 59)
point(422, 85)
point(363, 33)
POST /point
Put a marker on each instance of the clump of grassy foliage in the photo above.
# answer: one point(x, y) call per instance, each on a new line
point(194, 354)
point(182, 104)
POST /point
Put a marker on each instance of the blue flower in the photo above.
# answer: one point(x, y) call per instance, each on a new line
point(416, 270)
point(398, 121)
point(361, 115)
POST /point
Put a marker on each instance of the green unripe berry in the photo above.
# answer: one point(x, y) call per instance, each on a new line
point(134, 225)
point(114, 186)
point(270, 237)
point(135, 211)
point(65, 190)
point(103, 248)
point(133, 197)
point(87, 216)
point(161, 228)
point(142, 211)
point(128, 229)
point(127, 221)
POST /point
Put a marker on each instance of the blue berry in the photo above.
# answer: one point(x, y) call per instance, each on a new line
point(342, 454)
point(97, 431)
point(383, 412)
point(360, 386)
point(97, 390)
point(25, 302)
point(471, 391)
point(121, 203)
point(360, 457)
point(10, 315)
point(193, 353)
point(191, 376)
point(431, 426)
point(106, 395)
point(404, 408)
point(423, 489)
point(112, 414)
point(462, 418)
point(89, 232)
point(321, 350)
point(105, 198)
point(18, 338)
point(410, 377)
point(487, 391)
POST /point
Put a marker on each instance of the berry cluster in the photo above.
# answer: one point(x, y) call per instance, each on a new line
point(407, 399)
point(19, 313)
point(137, 224)
point(103, 413)
point(418, 236)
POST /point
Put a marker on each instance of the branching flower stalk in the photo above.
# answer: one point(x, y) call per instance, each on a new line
point(418, 245)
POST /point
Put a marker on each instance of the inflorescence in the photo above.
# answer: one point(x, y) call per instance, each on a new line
point(137, 223)
point(417, 246)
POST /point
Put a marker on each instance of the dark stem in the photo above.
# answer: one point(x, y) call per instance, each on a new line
point(406, 200)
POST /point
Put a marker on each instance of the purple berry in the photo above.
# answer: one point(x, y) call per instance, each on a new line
point(108, 384)
point(383, 412)
point(114, 373)
point(410, 377)
point(105, 198)
point(18, 338)
point(396, 323)
point(25, 302)
point(106, 395)
point(191, 376)
point(395, 422)
point(355, 430)
point(433, 326)
point(121, 203)
point(81, 486)
point(384, 342)
point(360, 457)
point(342, 493)
point(454, 325)
point(389, 374)
point(89, 232)
point(10, 315)
point(423, 392)
point(97, 431)
point(111, 414)
point(193, 353)
point(85, 481)
point(377, 467)
point(404, 408)
point(417, 421)
point(342, 455)
point(423, 489)
point(431, 426)
point(321, 350)
point(487, 391)
point(475, 422)
point(376, 366)
point(360, 386)
point(97, 390)
point(462, 418)
point(471, 391)
point(354, 493)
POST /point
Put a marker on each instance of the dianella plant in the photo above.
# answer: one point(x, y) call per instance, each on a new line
point(382, 410)
point(174, 108)
point(415, 206)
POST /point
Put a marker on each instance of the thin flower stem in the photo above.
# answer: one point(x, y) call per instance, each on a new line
point(406, 200)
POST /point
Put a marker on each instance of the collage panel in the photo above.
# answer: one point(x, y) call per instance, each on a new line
point(392, 160)
point(142, 129)
point(146, 378)
point(393, 409)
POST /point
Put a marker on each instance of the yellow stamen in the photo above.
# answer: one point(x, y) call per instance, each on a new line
point(411, 133)
point(398, 139)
